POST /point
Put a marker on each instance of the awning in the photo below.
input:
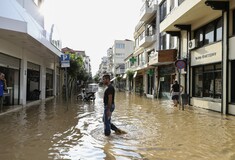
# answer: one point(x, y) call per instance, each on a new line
point(124, 76)
point(135, 74)
point(113, 79)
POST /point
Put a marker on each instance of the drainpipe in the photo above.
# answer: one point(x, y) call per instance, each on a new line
point(224, 7)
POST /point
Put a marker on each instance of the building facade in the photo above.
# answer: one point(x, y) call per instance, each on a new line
point(120, 50)
point(28, 56)
point(205, 30)
point(146, 44)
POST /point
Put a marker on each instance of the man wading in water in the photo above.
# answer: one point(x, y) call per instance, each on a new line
point(109, 107)
point(176, 90)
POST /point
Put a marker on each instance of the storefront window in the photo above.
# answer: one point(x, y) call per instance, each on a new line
point(208, 81)
point(234, 22)
point(218, 85)
point(198, 82)
point(166, 77)
point(232, 81)
point(208, 84)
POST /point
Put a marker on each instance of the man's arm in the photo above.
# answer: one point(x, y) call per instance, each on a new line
point(110, 98)
point(5, 85)
point(182, 88)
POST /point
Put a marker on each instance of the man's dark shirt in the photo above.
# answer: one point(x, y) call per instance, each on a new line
point(108, 91)
point(176, 87)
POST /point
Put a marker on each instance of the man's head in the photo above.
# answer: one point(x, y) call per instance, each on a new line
point(2, 76)
point(176, 81)
point(106, 79)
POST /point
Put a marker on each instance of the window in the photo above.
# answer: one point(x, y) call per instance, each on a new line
point(38, 2)
point(162, 11)
point(209, 33)
point(139, 59)
point(172, 5)
point(232, 81)
point(234, 22)
point(218, 30)
point(120, 45)
point(199, 37)
point(198, 82)
point(163, 42)
point(207, 81)
point(172, 42)
point(180, 1)
point(119, 54)
point(150, 30)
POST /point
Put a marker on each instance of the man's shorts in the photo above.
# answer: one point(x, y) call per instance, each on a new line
point(175, 97)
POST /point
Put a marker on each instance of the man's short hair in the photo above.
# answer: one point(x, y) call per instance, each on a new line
point(106, 76)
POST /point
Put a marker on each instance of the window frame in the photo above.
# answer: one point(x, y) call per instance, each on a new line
point(172, 5)
point(202, 30)
point(205, 73)
point(163, 39)
point(233, 21)
point(163, 10)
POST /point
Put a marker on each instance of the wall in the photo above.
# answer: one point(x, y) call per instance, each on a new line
point(33, 10)
point(207, 104)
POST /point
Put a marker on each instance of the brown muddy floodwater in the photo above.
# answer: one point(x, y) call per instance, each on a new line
point(156, 131)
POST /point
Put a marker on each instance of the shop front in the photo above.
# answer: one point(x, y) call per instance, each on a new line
point(49, 82)
point(33, 82)
point(206, 67)
point(10, 66)
point(163, 63)
point(166, 75)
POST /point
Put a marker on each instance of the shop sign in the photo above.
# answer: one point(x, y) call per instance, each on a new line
point(205, 58)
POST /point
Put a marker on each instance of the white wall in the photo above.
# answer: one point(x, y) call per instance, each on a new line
point(33, 10)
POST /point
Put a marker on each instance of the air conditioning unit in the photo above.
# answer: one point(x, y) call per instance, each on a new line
point(192, 44)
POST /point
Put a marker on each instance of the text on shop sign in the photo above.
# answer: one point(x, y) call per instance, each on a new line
point(208, 55)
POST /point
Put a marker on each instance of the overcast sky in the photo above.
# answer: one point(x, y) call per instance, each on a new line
point(93, 25)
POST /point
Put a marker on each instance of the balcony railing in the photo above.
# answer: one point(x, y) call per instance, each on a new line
point(147, 10)
point(147, 4)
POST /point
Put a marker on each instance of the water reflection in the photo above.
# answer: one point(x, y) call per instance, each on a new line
point(156, 130)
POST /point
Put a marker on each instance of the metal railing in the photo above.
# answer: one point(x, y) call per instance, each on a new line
point(147, 4)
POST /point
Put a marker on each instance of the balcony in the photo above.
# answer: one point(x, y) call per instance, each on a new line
point(188, 12)
point(147, 40)
point(147, 10)
point(163, 57)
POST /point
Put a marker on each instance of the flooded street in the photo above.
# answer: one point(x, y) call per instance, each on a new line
point(156, 131)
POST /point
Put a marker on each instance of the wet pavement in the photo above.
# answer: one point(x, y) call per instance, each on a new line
point(156, 131)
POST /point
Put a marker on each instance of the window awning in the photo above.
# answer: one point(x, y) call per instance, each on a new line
point(135, 74)
point(113, 79)
point(124, 76)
